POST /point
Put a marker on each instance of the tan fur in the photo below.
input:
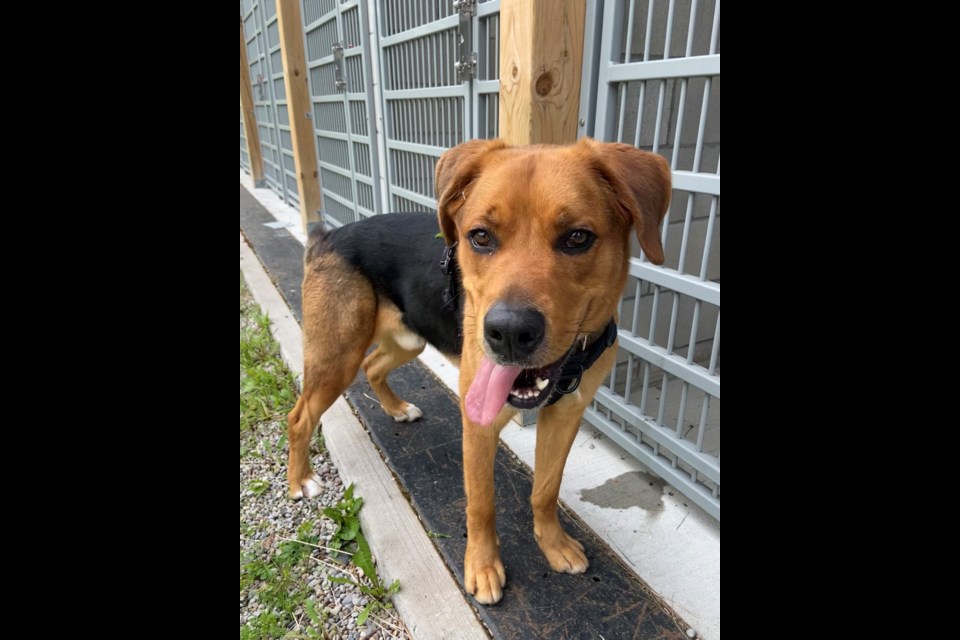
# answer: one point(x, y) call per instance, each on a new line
point(528, 197)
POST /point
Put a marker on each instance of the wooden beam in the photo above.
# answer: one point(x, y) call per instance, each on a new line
point(249, 114)
point(541, 57)
point(299, 108)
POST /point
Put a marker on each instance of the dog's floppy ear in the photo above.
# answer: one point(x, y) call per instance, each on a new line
point(456, 169)
point(641, 186)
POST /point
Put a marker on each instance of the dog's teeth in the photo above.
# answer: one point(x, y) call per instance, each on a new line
point(541, 383)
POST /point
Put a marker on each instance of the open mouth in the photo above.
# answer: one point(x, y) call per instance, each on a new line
point(495, 385)
point(533, 387)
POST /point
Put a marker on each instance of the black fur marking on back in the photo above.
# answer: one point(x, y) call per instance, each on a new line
point(400, 254)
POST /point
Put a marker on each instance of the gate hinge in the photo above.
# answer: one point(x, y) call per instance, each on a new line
point(341, 84)
point(466, 63)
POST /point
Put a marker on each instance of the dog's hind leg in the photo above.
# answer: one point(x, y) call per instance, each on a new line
point(339, 316)
point(396, 346)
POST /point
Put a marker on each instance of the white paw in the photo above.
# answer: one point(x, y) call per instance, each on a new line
point(310, 487)
point(411, 413)
point(313, 486)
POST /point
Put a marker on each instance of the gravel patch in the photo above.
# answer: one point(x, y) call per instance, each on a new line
point(267, 516)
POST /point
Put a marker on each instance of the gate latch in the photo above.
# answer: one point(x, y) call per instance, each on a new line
point(466, 63)
point(338, 66)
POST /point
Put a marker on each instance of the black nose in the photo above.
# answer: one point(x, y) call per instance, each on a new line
point(513, 332)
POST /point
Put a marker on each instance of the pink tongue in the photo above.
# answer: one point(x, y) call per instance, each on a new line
point(489, 390)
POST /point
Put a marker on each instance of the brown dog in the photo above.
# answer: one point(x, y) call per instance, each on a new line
point(541, 240)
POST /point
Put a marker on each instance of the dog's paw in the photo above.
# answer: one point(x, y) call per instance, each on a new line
point(408, 413)
point(484, 578)
point(564, 553)
point(307, 488)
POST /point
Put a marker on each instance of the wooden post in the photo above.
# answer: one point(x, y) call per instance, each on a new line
point(299, 109)
point(249, 114)
point(541, 56)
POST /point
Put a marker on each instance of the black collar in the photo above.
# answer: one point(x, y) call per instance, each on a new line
point(572, 371)
point(448, 265)
point(576, 364)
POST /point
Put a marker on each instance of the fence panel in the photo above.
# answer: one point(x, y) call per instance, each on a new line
point(659, 90)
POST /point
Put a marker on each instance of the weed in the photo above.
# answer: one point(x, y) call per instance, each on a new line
point(346, 516)
point(434, 534)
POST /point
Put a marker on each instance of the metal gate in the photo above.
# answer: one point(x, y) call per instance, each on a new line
point(341, 83)
point(269, 94)
point(440, 70)
point(659, 89)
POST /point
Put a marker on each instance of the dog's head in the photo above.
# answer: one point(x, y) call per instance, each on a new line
point(543, 240)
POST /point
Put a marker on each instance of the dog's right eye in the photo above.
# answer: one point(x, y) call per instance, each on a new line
point(482, 241)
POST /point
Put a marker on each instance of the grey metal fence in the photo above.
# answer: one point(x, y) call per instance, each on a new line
point(339, 56)
point(269, 95)
point(659, 89)
point(429, 103)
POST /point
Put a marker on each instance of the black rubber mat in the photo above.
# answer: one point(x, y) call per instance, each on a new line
point(280, 253)
point(608, 601)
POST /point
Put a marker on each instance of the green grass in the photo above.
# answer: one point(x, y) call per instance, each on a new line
point(278, 580)
point(267, 393)
point(267, 388)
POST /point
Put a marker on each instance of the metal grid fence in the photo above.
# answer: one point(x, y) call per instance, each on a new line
point(339, 57)
point(427, 106)
point(659, 89)
point(266, 76)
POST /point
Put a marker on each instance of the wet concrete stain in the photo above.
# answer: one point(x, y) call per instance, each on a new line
point(631, 489)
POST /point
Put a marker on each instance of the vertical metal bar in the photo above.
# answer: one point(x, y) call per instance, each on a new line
point(636, 135)
point(654, 308)
point(433, 60)
point(708, 238)
point(669, 34)
point(715, 30)
point(659, 122)
point(685, 388)
point(674, 315)
point(421, 124)
point(613, 372)
point(653, 314)
point(687, 223)
point(622, 95)
point(703, 420)
point(693, 22)
point(693, 331)
point(704, 107)
point(677, 134)
point(663, 401)
point(646, 387)
point(647, 38)
point(633, 330)
point(716, 348)
point(629, 43)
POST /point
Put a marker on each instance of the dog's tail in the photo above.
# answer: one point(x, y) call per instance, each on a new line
point(318, 242)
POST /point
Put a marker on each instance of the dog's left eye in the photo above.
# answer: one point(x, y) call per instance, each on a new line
point(482, 241)
point(576, 241)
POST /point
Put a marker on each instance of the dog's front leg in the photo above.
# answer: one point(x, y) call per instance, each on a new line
point(557, 426)
point(483, 572)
